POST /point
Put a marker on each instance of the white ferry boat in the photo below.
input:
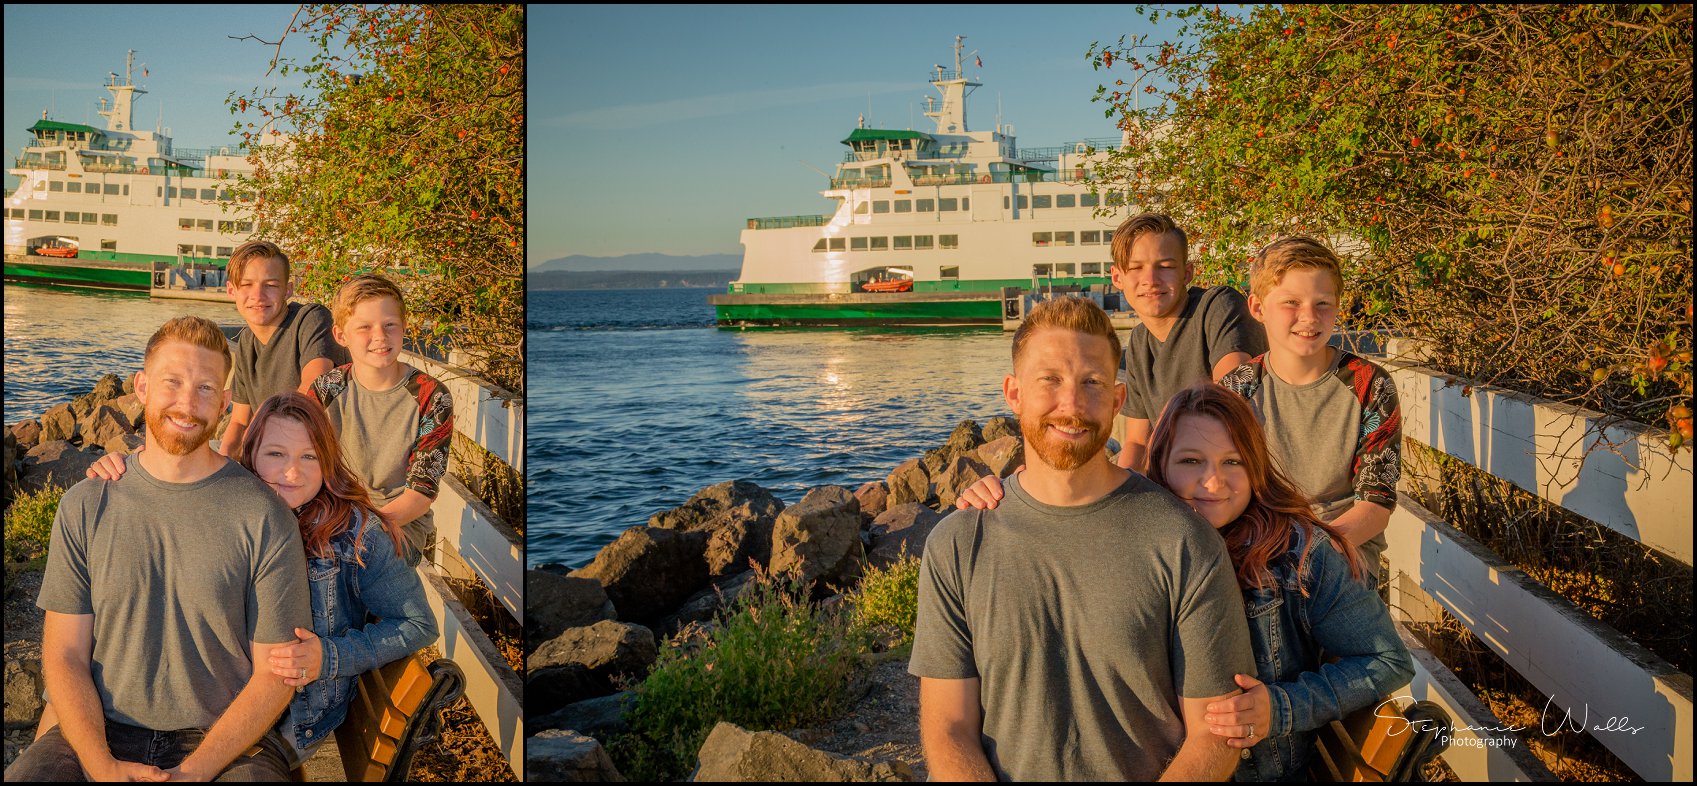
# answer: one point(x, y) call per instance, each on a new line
point(929, 228)
point(104, 207)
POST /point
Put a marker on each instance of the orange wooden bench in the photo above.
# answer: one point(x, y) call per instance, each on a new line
point(1371, 747)
point(395, 709)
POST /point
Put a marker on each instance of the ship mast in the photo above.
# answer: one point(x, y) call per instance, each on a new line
point(955, 87)
point(119, 117)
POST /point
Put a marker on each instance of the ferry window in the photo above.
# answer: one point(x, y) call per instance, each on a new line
point(35, 215)
point(1091, 237)
point(925, 206)
point(185, 223)
point(1092, 268)
point(922, 242)
point(857, 244)
point(158, 191)
point(904, 242)
point(75, 187)
point(1006, 201)
point(837, 243)
point(860, 208)
point(224, 251)
point(1115, 199)
point(185, 251)
point(949, 272)
point(904, 206)
point(88, 218)
point(1041, 271)
point(52, 215)
point(41, 185)
point(109, 219)
point(1063, 238)
point(226, 227)
point(224, 195)
point(819, 246)
point(171, 191)
point(880, 244)
point(209, 194)
point(1040, 200)
point(1066, 200)
point(204, 225)
point(244, 227)
point(1024, 201)
point(108, 245)
point(948, 241)
point(112, 189)
point(1088, 200)
point(881, 206)
point(1064, 269)
point(204, 251)
point(55, 186)
point(1041, 238)
point(965, 203)
point(948, 204)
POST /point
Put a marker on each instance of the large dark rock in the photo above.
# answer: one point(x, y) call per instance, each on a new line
point(24, 684)
point(104, 424)
point(109, 387)
point(586, 662)
point(936, 460)
point(82, 405)
point(132, 409)
point(55, 463)
point(603, 716)
point(874, 498)
point(1002, 455)
point(1000, 426)
point(818, 538)
point(554, 603)
point(58, 423)
point(901, 530)
point(965, 437)
point(908, 482)
point(963, 472)
point(648, 571)
point(124, 444)
point(129, 384)
point(721, 593)
point(27, 433)
point(732, 753)
point(737, 515)
point(567, 756)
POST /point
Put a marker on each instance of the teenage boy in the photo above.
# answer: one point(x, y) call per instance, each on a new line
point(392, 420)
point(284, 346)
point(1080, 629)
point(1185, 334)
point(1332, 419)
point(163, 591)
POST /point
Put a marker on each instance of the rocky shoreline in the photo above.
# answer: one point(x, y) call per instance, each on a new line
point(595, 629)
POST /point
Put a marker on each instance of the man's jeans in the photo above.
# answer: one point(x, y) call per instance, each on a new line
point(51, 758)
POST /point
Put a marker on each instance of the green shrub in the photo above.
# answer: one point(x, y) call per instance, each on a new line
point(775, 662)
point(888, 598)
point(29, 523)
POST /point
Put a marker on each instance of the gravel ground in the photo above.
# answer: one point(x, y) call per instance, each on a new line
point(884, 723)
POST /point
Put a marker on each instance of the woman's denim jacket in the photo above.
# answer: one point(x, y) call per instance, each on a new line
point(343, 595)
point(1291, 634)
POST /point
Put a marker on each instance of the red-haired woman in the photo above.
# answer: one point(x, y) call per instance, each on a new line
point(354, 567)
point(1302, 585)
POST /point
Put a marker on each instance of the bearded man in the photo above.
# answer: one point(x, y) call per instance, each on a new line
point(162, 592)
point(1079, 630)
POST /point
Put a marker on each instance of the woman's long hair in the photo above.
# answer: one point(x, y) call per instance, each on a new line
point(332, 511)
point(1263, 532)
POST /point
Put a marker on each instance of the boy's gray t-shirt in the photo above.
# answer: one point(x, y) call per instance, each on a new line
point(262, 370)
point(1084, 626)
point(180, 578)
point(1214, 323)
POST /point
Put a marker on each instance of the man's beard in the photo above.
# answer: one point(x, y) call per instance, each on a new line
point(173, 441)
point(1060, 454)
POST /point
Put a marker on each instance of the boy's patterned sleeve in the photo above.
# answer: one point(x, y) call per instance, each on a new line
point(1244, 379)
point(428, 457)
point(330, 384)
point(1378, 450)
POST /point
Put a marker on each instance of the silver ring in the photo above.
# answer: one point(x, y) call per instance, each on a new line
point(1251, 726)
point(303, 676)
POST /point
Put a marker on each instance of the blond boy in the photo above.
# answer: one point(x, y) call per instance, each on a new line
point(284, 346)
point(1185, 334)
point(393, 422)
point(1332, 419)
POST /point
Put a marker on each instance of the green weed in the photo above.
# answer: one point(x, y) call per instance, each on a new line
point(888, 598)
point(29, 523)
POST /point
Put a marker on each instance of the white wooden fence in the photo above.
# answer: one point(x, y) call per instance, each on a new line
point(1619, 474)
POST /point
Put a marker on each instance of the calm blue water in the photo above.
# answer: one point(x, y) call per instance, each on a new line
point(59, 342)
point(636, 402)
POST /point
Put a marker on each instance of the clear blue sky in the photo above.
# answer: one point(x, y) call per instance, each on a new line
point(660, 129)
point(58, 56)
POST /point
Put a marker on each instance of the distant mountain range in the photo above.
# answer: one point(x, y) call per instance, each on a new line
point(648, 262)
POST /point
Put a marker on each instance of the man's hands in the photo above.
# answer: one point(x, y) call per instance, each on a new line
point(1243, 720)
point(124, 771)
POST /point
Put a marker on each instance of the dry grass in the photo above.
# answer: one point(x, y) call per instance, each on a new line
point(490, 478)
point(465, 753)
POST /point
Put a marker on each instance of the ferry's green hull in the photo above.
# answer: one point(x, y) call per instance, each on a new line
point(68, 273)
point(844, 310)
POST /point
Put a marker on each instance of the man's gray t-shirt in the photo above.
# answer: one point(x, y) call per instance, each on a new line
point(180, 578)
point(1214, 323)
point(1084, 626)
point(263, 370)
